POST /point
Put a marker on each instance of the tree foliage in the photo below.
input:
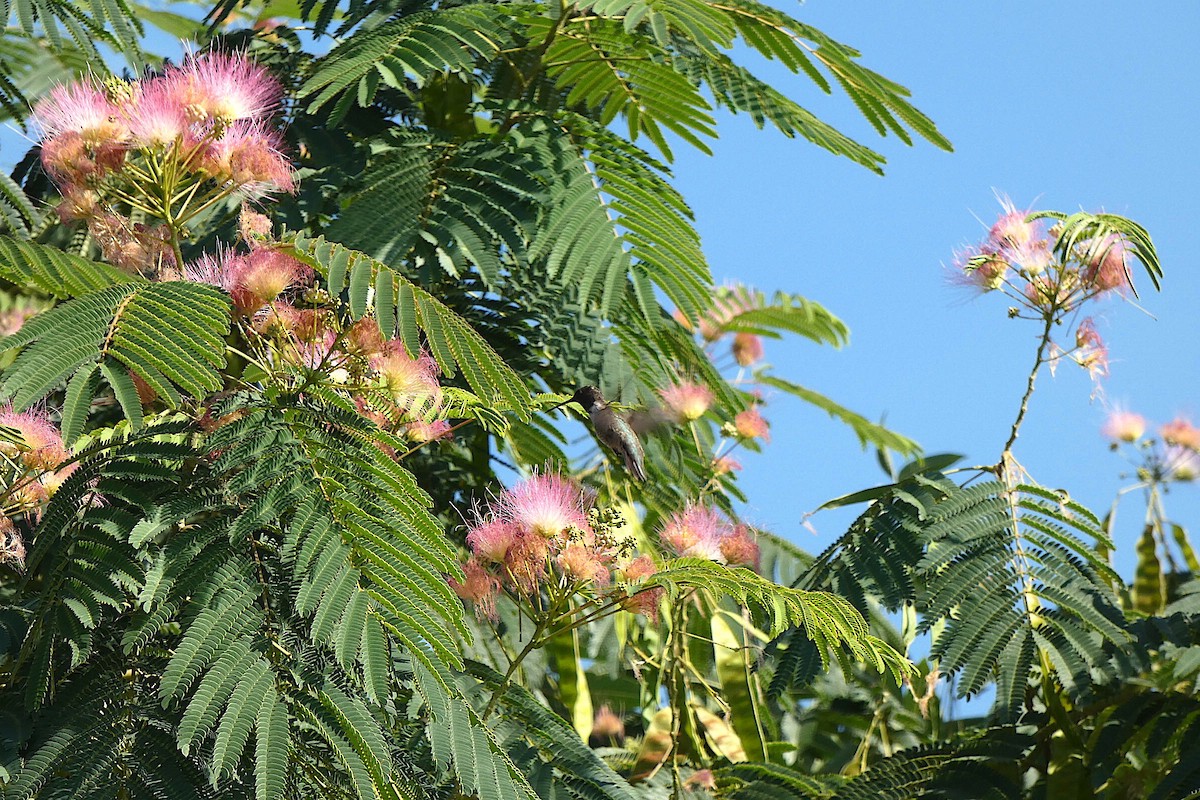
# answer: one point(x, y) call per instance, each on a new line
point(253, 461)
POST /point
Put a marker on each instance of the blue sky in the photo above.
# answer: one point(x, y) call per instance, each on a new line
point(1055, 106)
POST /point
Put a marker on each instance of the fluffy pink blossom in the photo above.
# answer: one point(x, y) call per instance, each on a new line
point(41, 445)
point(1106, 264)
point(1180, 431)
point(645, 602)
point(224, 87)
point(490, 540)
point(80, 108)
point(546, 506)
point(14, 318)
point(132, 246)
point(410, 382)
point(747, 349)
point(1091, 351)
point(696, 532)
point(981, 269)
point(154, 116)
point(740, 548)
point(250, 156)
point(580, 562)
point(420, 431)
point(1181, 463)
point(261, 276)
point(689, 401)
point(751, 425)
point(607, 725)
point(639, 569)
point(479, 587)
point(1124, 426)
point(253, 227)
point(1011, 231)
point(726, 464)
point(216, 269)
point(526, 561)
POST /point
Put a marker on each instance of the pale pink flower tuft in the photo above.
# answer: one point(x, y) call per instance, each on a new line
point(253, 227)
point(420, 431)
point(263, 275)
point(479, 587)
point(224, 87)
point(12, 320)
point(740, 548)
point(155, 117)
point(1180, 431)
point(1124, 426)
point(250, 156)
point(726, 464)
point(696, 532)
point(525, 561)
point(1182, 463)
point(751, 425)
point(580, 562)
point(410, 382)
point(79, 108)
point(747, 349)
point(1011, 231)
point(216, 269)
point(1091, 351)
point(639, 569)
point(689, 401)
point(545, 506)
point(1106, 264)
point(980, 268)
point(41, 446)
point(645, 602)
point(490, 540)
point(607, 725)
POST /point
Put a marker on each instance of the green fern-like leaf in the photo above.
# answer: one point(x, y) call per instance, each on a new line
point(50, 270)
point(171, 334)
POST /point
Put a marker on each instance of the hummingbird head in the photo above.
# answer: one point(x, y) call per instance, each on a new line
point(587, 396)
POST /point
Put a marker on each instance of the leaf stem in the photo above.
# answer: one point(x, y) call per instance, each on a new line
point(1005, 456)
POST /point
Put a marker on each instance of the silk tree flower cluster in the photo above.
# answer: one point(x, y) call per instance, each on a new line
point(544, 541)
point(1173, 456)
point(32, 455)
point(1019, 259)
point(701, 532)
point(167, 147)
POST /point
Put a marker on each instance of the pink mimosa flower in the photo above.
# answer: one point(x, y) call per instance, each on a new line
point(490, 540)
point(751, 425)
point(1107, 268)
point(41, 446)
point(1124, 426)
point(224, 87)
point(421, 432)
point(12, 547)
point(546, 506)
point(747, 349)
point(689, 401)
point(410, 382)
point(1180, 431)
point(80, 108)
point(155, 117)
point(479, 587)
point(740, 548)
point(696, 532)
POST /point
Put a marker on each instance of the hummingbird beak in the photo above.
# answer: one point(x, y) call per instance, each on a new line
point(559, 405)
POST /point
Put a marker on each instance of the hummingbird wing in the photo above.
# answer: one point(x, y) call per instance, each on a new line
point(629, 448)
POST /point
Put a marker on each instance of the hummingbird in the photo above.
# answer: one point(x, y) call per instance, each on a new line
point(612, 430)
